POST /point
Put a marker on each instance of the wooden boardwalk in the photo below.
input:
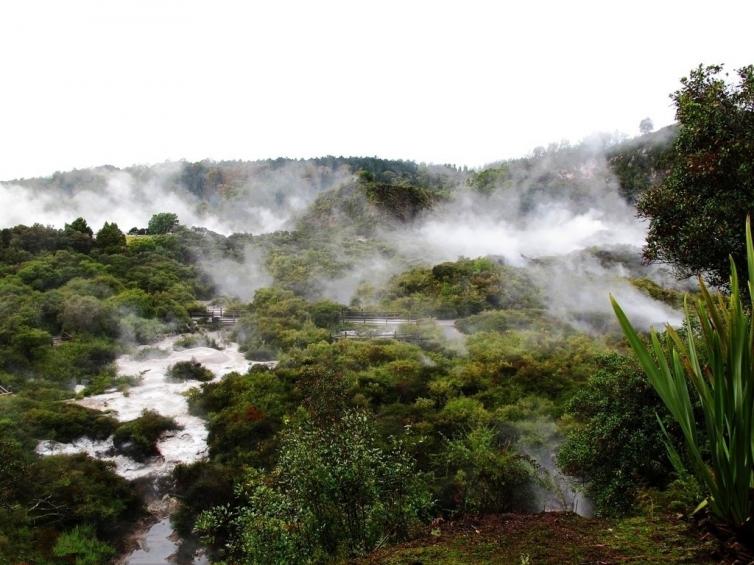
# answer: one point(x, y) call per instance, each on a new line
point(348, 316)
point(216, 315)
point(351, 335)
point(4, 391)
point(377, 325)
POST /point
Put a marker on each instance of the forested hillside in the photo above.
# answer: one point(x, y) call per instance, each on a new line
point(356, 359)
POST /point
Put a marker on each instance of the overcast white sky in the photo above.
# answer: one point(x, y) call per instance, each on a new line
point(86, 83)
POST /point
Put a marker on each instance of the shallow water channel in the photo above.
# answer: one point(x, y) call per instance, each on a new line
point(156, 391)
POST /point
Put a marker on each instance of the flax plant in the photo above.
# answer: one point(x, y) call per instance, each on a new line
point(721, 383)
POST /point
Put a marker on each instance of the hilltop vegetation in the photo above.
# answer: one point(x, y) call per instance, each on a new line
point(454, 418)
point(350, 444)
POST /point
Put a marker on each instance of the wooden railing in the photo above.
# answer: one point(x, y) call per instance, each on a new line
point(375, 317)
point(216, 314)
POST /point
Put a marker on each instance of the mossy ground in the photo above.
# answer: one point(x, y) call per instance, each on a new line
point(552, 539)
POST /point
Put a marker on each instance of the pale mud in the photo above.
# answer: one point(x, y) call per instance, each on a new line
point(156, 391)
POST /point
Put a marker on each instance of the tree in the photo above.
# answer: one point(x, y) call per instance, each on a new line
point(616, 444)
point(79, 235)
point(81, 544)
point(79, 225)
point(110, 238)
point(334, 492)
point(162, 223)
point(646, 126)
point(88, 315)
point(695, 214)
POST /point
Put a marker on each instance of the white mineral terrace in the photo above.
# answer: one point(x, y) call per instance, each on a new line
point(156, 391)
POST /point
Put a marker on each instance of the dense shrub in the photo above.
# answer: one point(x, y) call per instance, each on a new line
point(200, 487)
point(334, 492)
point(190, 371)
point(616, 444)
point(82, 546)
point(460, 288)
point(138, 438)
point(65, 422)
point(278, 320)
point(483, 473)
point(245, 412)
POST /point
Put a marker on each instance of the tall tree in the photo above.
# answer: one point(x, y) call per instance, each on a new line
point(79, 235)
point(110, 237)
point(79, 225)
point(161, 223)
point(695, 214)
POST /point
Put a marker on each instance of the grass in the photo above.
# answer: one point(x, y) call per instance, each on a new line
point(550, 539)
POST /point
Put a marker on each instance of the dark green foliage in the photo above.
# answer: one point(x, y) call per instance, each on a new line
point(616, 444)
point(705, 382)
point(697, 212)
point(482, 473)
point(303, 464)
point(490, 179)
point(671, 297)
point(48, 289)
point(404, 202)
point(460, 288)
point(90, 293)
point(507, 367)
point(200, 487)
point(86, 314)
point(190, 370)
point(79, 225)
point(78, 360)
point(510, 319)
point(82, 546)
point(84, 490)
point(62, 421)
point(278, 319)
point(162, 223)
point(79, 235)
point(110, 239)
point(423, 397)
point(325, 314)
point(44, 496)
point(642, 162)
point(138, 438)
point(53, 270)
point(334, 492)
point(245, 412)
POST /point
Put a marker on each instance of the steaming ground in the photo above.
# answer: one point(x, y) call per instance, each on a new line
point(156, 391)
point(251, 197)
point(546, 215)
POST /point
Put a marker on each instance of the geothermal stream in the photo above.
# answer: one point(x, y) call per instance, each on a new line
point(555, 492)
point(156, 391)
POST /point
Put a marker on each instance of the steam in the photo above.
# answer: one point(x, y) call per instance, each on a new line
point(257, 197)
point(564, 200)
point(545, 214)
point(238, 278)
point(363, 278)
point(544, 218)
point(578, 287)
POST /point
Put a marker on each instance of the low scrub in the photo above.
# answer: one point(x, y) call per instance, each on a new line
point(190, 371)
point(138, 438)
